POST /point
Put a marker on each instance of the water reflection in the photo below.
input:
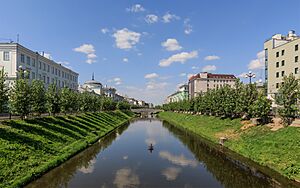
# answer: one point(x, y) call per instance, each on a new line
point(125, 177)
point(180, 160)
point(171, 173)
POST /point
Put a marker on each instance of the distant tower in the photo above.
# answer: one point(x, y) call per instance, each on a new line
point(93, 77)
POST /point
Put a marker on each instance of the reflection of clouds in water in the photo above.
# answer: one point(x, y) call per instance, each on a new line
point(171, 173)
point(90, 168)
point(150, 141)
point(126, 178)
point(178, 160)
point(125, 157)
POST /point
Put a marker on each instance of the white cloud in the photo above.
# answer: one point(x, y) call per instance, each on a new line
point(125, 60)
point(211, 58)
point(65, 64)
point(182, 74)
point(116, 81)
point(209, 68)
point(194, 67)
point(169, 17)
point(89, 50)
point(151, 76)
point(171, 45)
point(242, 75)
point(136, 8)
point(90, 168)
point(180, 160)
point(258, 63)
point(171, 173)
point(125, 177)
point(180, 57)
point(46, 55)
point(139, 54)
point(152, 85)
point(126, 39)
point(104, 30)
point(151, 18)
point(188, 28)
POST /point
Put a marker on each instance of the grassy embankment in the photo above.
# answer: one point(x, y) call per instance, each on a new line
point(29, 148)
point(278, 150)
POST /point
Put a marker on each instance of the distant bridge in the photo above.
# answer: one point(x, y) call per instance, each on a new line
point(146, 110)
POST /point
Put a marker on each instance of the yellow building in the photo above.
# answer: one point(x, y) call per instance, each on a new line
point(281, 58)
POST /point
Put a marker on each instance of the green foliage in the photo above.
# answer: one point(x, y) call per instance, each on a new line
point(20, 98)
point(123, 105)
point(38, 97)
point(66, 98)
point(3, 92)
point(52, 99)
point(261, 107)
point(287, 98)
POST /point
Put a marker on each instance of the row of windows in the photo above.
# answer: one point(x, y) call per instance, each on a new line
point(221, 81)
point(282, 51)
point(46, 80)
point(283, 62)
point(6, 56)
point(46, 68)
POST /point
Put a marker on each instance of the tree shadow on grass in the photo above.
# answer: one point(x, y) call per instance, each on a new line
point(35, 130)
point(88, 124)
point(93, 122)
point(75, 123)
point(55, 128)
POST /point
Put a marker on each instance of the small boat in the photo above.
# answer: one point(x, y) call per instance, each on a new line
point(151, 148)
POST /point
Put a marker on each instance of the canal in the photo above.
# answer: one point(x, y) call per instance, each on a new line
point(125, 158)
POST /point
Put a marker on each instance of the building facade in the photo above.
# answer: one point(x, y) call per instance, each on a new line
point(14, 57)
point(202, 82)
point(282, 55)
point(180, 95)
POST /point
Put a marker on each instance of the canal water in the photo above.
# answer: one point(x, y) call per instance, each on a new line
point(125, 158)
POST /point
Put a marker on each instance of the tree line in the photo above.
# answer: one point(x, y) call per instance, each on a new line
point(26, 97)
point(244, 100)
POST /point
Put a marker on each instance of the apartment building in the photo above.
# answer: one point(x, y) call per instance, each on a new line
point(14, 56)
point(282, 55)
point(202, 82)
point(180, 95)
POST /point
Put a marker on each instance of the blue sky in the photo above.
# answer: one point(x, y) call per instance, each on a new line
point(146, 48)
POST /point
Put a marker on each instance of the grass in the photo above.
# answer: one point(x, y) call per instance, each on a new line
point(29, 148)
point(278, 150)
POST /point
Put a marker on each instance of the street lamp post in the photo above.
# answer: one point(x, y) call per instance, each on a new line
point(22, 73)
point(250, 75)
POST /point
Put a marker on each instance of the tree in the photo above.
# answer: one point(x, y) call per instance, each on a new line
point(20, 96)
point(65, 100)
point(287, 99)
point(52, 99)
point(3, 92)
point(261, 108)
point(38, 97)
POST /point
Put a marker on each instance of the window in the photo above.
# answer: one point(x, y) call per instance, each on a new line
point(277, 54)
point(277, 85)
point(48, 80)
point(44, 66)
point(22, 58)
point(32, 75)
point(296, 70)
point(40, 76)
point(55, 71)
point(59, 73)
point(277, 64)
point(59, 83)
point(44, 79)
point(282, 73)
point(277, 74)
point(48, 68)
point(40, 65)
point(296, 59)
point(28, 60)
point(6, 56)
point(296, 47)
point(52, 70)
point(33, 62)
point(52, 81)
point(282, 63)
point(63, 74)
point(282, 52)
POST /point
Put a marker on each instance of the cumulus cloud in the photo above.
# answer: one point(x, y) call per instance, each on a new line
point(167, 18)
point(242, 75)
point(104, 30)
point(209, 68)
point(171, 173)
point(136, 8)
point(194, 67)
point(211, 58)
point(125, 177)
point(180, 57)
point(188, 28)
point(125, 60)
point(171, 45)
point(180, 160)
point(89, 50)
point(151, 76)
point(126, 39)
point(116, 81)
point(182, 74)
point(152, 85)
point(151, 18)
point(259, 62)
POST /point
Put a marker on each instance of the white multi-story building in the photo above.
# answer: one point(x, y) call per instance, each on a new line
point(202, 82)
point(282, 57)
point(14, 56)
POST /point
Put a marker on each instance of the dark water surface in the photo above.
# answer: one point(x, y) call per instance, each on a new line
point(178, 159)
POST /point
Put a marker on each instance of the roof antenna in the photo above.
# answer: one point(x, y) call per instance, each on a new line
point(93, 77)
point(18, 38)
